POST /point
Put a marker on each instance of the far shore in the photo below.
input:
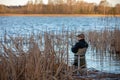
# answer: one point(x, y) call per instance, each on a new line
point(57, 15)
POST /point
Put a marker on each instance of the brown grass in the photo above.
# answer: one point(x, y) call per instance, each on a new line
point(35, 63)
point(94, 15)
point(45, 57)
point(106, 40)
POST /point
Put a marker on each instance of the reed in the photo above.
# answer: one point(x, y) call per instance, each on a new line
point(45, 56)
point(105, 40)
point(115, 43)
point(26, 58)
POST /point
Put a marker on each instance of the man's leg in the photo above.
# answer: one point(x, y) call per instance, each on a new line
point(75, 60)
point(82, 61)
point(83, 65)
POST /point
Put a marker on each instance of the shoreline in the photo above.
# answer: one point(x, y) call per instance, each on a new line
point(59, 15)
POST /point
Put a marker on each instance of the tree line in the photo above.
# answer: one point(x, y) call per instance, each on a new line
point(62, 7)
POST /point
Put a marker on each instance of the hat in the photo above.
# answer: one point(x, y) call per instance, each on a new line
point(81, 36)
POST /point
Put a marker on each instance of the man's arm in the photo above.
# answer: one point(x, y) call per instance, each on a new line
point(74, 48)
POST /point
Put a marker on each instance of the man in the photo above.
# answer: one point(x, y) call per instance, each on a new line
point(79, 50)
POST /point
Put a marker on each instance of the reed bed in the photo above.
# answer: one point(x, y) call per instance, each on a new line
point(45, 56)
point(105, 40)
point(38, 57)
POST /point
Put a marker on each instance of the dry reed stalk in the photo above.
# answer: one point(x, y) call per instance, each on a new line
point(116, 34)
point(105, 40)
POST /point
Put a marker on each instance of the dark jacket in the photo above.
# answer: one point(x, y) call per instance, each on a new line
point(79, 45)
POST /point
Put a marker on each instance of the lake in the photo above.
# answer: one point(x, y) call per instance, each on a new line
point(22, 25)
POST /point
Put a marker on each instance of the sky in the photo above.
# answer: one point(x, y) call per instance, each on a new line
point(23, 2)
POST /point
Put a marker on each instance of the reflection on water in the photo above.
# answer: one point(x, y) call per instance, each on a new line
point(106, 62)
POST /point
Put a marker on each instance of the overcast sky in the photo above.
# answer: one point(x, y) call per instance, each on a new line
point(22, 2)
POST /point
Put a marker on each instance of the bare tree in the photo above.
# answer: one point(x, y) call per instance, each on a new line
point(30, 6)
point(117, 9)
point(2, 9)
point(62, 7)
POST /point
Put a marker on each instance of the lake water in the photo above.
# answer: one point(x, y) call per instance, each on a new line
point(24, 25)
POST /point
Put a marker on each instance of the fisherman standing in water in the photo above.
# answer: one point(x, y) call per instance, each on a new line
point(79, 50)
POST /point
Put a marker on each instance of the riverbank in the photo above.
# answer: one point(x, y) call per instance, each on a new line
point(57, 15)
point(92, 74)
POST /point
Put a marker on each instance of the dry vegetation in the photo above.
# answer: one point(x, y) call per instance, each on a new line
point(105, 40)
point(34, 62)
point(45, 56)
